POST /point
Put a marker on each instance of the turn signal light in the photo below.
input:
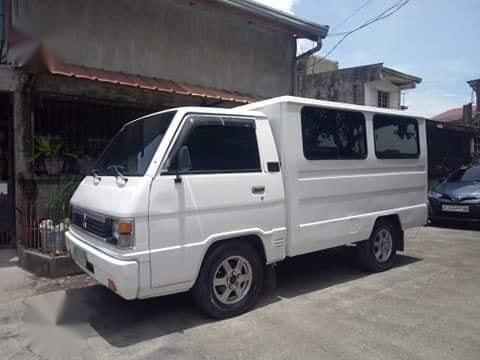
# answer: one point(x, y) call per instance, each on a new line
point(124, 227)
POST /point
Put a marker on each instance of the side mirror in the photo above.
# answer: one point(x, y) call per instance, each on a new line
point(184, 163)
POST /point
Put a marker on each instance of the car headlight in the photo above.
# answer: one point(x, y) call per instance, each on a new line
point(434, 194)
point(123, 232)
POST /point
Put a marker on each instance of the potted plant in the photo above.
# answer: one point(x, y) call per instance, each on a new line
point(57, 223)
point(51, 151)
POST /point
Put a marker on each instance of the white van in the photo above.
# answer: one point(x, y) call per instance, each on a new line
point(203, 199)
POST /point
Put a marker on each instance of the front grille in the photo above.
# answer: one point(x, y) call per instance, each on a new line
point(92, 223)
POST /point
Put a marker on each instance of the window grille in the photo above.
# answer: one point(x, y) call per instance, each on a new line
point(383, 99)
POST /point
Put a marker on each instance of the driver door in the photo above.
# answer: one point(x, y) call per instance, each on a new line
point(225, 190)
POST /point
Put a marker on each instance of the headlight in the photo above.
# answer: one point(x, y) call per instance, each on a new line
point(434, 194)
point(123, 231)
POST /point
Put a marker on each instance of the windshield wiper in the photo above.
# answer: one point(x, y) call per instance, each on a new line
point(118, 171)
point(95, 175)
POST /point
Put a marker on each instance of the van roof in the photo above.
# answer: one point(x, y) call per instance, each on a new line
point(206, 110)
point(327, 104)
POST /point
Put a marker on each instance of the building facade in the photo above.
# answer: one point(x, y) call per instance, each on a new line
point(72, 73)
point(371, 85)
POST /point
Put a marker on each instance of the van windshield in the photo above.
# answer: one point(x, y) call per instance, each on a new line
point(131, 150)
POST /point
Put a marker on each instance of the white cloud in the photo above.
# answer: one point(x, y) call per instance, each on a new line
point(284, 5)
point(433, 102)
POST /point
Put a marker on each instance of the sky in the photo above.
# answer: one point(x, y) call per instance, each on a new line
point(437, 40)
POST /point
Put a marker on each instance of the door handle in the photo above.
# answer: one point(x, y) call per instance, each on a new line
point(258, 190)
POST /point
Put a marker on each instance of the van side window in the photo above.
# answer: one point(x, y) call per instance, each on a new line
point(221, 145)
point(396, 137)
point(330, 134)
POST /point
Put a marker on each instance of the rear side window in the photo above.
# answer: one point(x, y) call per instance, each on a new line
point(396, 137)
point(330, 134)
point(221, 145)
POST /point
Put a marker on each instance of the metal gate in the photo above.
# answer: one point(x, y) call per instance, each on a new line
point(7, 198)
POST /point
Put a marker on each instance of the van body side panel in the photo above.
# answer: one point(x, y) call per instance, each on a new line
point(336, 202)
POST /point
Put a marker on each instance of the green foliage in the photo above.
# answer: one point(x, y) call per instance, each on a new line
point(50, 149)
point(58, 201)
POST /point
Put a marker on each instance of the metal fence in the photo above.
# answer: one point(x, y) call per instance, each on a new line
point(45, 234)
point(6, 228)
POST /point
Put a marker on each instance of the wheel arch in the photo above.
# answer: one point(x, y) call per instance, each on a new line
point(393, 219)
point(254, 239)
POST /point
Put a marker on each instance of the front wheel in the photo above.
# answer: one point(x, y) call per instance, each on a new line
point(378, 253)
point(230, 280)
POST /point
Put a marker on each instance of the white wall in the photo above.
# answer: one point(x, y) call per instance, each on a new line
point(372, 88)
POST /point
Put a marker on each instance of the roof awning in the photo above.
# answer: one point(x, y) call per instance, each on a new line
point(37, 58)
point(146, 83)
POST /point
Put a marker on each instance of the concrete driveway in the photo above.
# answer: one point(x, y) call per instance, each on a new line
point(324, 307)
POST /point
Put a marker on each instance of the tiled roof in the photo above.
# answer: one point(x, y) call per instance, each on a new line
point(146, 83)
point(38, 58)
point(455, 114)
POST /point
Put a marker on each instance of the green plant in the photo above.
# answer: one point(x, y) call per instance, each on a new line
point(50, 149)
point(58, 201)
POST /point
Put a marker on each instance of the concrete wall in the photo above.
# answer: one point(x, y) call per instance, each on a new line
point(315, 65)
point(358, 85)
point(345, 85)
point(166, 39)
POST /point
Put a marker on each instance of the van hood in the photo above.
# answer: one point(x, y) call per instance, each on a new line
point(111, 198)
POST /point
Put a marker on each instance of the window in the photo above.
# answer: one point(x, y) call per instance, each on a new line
point(396, 137)
point(133, 148)
point(333, 134)
point(220, 145)
point(383, 99)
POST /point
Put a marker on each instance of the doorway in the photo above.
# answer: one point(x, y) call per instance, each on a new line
point(7, 181)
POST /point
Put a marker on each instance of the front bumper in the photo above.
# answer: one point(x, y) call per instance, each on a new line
point(105, 268)
point(435, 211)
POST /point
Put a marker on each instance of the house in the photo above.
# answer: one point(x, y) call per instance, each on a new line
point(450, 145)
point(467, 115)
point(73, 72)
point(460, 129)
point(371, 85)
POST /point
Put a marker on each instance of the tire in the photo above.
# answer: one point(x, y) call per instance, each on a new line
point(237, 289)
point(374, 256)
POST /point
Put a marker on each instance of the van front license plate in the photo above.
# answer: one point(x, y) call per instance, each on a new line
point(79, 256)
point(456, 208)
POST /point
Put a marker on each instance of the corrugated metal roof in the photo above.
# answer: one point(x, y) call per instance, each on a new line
point(146, 83)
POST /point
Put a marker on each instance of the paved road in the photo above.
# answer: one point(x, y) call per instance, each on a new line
point(428, 307)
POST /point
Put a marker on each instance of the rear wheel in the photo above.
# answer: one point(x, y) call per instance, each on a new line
point(378, 253)
point(230, 280)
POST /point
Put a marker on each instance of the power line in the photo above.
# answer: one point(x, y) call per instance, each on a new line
point(352, 15)
point(383, 15)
